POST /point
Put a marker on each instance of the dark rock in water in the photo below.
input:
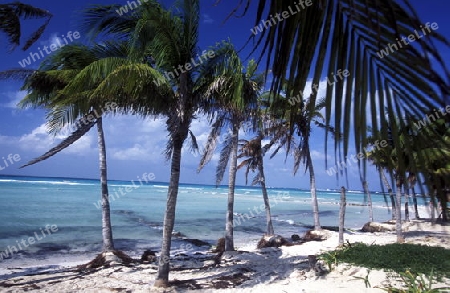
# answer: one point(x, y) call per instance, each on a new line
point(197, 242)
point(220, 247)
point(378, 227)
point(148, 256)
point(272, 241)
point(178, 234)
point(295, 237)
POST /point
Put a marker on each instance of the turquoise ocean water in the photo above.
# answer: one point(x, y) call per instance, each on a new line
point(28, 204)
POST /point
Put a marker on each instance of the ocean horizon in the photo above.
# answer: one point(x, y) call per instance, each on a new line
point(31, 206)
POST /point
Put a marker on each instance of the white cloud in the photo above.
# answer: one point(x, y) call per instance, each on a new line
point(318, 155)
point(134, 153)
point(207, 18)
point(14, 98)
point(41, 141)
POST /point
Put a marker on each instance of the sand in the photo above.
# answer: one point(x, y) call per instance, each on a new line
point(285, 269)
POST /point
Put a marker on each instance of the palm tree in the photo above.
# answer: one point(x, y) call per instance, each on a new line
point(10, 15)
point(380, 158)
point(50, 87)
point(433, 157)
point(412, 180)
point(164, 42)
point(234, 89)
point(254, 152)
point(369, 199)
point(364, 37)
point(298, 121)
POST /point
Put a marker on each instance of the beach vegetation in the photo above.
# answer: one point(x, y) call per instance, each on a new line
point(396, 257)
point(416, 283)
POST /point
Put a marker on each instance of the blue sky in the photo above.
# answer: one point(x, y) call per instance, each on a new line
point(134, 145)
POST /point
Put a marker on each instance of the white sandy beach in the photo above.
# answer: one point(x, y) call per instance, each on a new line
point(284, 269)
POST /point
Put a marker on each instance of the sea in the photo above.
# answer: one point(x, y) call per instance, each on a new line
point(63, 215)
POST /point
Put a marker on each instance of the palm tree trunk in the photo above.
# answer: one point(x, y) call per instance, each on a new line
point(265, 197)
point(369, 199)
point(391, 195)
point(343, 204)
point(312, 182)
point(398, 222)
point(162, 277)
point(229, 239)
point(416, 211)
point(107, 237)
point(406, 206)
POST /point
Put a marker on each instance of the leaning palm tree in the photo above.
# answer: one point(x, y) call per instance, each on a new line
point(10, 15)
point(253, 152)
point(49, 87)
point(366, 38)
point(234, 90)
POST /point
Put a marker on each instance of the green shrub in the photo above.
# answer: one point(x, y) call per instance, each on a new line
point(417, 259)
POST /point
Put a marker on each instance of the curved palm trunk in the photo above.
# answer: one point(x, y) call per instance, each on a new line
point(391, 195)
point(312, 182)
point(162, 277)
point(398, 222)
point(265, 197)
point(229, 240)
point(108, 243)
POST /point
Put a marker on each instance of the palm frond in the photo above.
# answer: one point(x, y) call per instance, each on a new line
point(77, 134)
point(11, 13)
point(351, 35)
point(224, 157)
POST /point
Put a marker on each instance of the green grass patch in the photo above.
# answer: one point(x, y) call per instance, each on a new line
point(396, 257)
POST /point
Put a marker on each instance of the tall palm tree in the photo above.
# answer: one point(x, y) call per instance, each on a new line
point(49, 87)
point(166, 41)
point(298, 122)
point(234, 89)
point(412, 180)
point(380, 158)
point(433, 157)
point(254, 152)
point(364, 37)
point(10, 15)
